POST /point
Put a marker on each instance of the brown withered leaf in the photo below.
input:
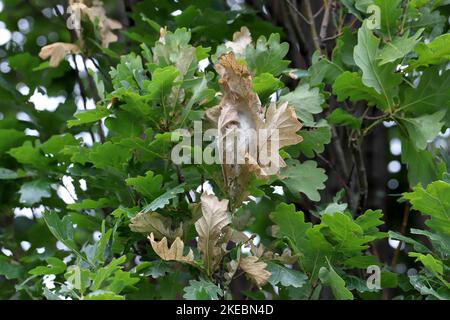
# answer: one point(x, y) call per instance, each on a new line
point(262, 253)
point(241, 122)
point(232, 267)
point(240, 108)
point(233, 235)
point(241, 39)
point(283, 121)
point(96, 13)
point(255, 270)
point(285, 258)
point(174, 253)
point(258, 251)
point(153, 222)
point(209, 228)
point(57, 52)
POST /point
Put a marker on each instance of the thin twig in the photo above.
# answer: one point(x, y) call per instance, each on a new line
point(325, 20)
point(312, 25)
point(339, 152)
point(360, 203)
point(299, 13)
point(402, 232)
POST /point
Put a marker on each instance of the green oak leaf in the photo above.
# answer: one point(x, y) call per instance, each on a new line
point(29, 155)
point(361, 262)
point(55, 266)
point(433, 201)
point(398, 48)
point(341, 117)
point(323, 70)
point(330, 278)
point(267, 55)
point(434, 265)
point(369, 222)
point(62, 229)
point(289, 223)
point(390, 11)
point(349, 236)
point(315, 137)
point(420, 163)
point(431, 95)
point(202, 290)
point(10, 269)
point(422, 284)
point(33, 192)
point(91, 204)
point(350, 85)
point(424, 128)
point(163, 199)
point(89, 116)
point(343, 51)
point(10, 138)
point(381, 78)
point(149, 186)
point(304, 177)
point(129, 73)
point(266, 84)
point(440, 241)
point(109, 154)
point(434, 53)
point(285, 276)
point(306, 102)
point(161, 84)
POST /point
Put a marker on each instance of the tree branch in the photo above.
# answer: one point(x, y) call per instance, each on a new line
point(325, 20)
point(361, 199)
point(312, 25)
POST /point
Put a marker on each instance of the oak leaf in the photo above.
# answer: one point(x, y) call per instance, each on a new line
point(209, 228)
point(153, 222)
point(232, 267)
point(241, 39)
point(174, 253)
point(255, 270)
point(97, 15)
point(57, 52)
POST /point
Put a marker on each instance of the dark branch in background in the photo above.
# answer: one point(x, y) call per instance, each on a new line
point(96, 97)
point(294, 34)
point(82, 93)
point(360, 197)
point(325, 20)
point(402, 232)
point(312, 25)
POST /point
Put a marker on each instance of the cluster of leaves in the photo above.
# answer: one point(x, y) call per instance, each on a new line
point(163, 233)
point(399, 70)
point(433, 201)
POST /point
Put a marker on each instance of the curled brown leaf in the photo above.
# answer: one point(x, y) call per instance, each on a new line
point(57, 52)
point(96, 13)
point(241, 39)
point(153, 222)
point(255, 270)
point(174, 253)
point(209, 228)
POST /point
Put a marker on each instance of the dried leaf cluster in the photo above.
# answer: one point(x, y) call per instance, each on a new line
point(214, 234)
point(96, 14)
point(248, 131)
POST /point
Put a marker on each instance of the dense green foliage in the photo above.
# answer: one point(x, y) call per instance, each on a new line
point(102, 191)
